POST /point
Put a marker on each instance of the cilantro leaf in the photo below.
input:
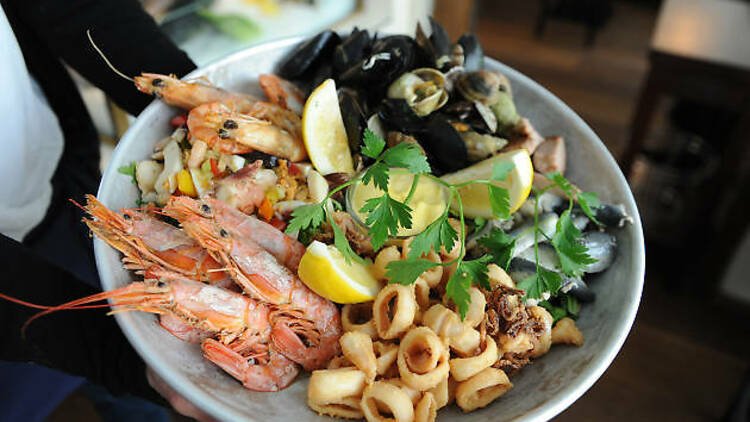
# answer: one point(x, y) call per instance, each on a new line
point(466, 274)
point(557, 312)
point(384, 216)
point(129, 170)
point(500, 201)
point(438, 233)
point(342, 244)
point(306, 216)
point(500, 246)
point(539, 283)
point(562, 183)
point(574, 257)
point(500, 170)
point(589, 201)
point(479, 223)
point(408, 156)
point(378, 174)
point(373, 144)
point(406, 271)
point(572, 306)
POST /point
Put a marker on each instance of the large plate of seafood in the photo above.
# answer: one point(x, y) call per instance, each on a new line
point(365, 226)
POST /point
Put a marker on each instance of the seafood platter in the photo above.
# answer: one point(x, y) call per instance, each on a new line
point(367, 226)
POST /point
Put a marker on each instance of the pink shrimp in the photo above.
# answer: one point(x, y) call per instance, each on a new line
point(264, 370)
point(146, 242)
point(232, 132)
point(188, 95)
point(286, 250)
point(282, 92)
point(305, 326)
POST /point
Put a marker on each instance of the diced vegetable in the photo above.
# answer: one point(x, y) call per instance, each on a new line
point(185, 183)
point(215, 167)
point(235, 162)
point(266, 209)
point(202, 181)
point(146, 173)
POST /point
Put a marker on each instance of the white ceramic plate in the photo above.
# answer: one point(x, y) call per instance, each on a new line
point(541, 390)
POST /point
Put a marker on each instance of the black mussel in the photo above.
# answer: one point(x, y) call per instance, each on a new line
point(444, 146)
point(425, 52)
point(441, 43)
point(304, 56)
point(602, 247)
point(351, 50)
point(354, 116)
point(391, 56)
point(322, 72)
point(397, 115)
point(473, 54)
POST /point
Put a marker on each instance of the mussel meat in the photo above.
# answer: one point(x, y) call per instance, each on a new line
point(505, 112)
point(302, 58)
point(423, 89)
point(480, 146)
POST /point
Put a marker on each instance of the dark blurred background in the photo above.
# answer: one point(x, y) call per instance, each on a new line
point(666, 85)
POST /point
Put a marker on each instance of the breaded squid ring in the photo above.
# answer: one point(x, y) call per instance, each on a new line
point(434, 275)
point(543, 340)
point(426, 409)
point(386, 354)
point(383, 258)
point(465, 368)
point(405, 308)
point(413, 394)
point(466, 342)
point(422, 294)
point(381, 394)
point(422, 359)
point(336, 392)
point(358, 349)
point(358, 317)
point(442, 321)
point(481, 389)
point(476, 311)
point(441, 393)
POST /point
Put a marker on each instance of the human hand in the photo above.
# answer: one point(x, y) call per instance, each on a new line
point(179, 403)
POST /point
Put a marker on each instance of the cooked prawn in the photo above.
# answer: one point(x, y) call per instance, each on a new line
point(286, 250)
point(236, 133)
point(188, 95)
point(305, 326)
point(146, 242)
point(282, 92)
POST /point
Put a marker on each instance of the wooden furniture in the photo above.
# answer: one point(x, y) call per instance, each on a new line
point(700, 51)
point(593, 14)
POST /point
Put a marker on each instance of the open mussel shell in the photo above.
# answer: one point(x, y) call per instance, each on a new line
point(353, 115)
point(445, 149)
point(304, 56)
point(391, 56)
point(473, 53)
point(423, 89)
point(480, 85)
point(351, 50)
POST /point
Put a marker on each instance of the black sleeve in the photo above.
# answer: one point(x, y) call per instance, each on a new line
point(86, 343)
point(124, 32)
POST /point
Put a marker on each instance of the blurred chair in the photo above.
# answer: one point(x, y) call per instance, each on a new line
point(593, 14)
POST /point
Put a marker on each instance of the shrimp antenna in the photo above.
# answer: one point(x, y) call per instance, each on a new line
point(111, 66)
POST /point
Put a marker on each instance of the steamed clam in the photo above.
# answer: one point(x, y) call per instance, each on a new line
point(423, 89)
point(480, 85)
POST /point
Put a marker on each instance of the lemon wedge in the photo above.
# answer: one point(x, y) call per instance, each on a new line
point(325, 271)
point(324, 133)
point(476, 198)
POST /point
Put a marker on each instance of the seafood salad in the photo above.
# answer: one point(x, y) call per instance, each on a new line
point(384, 219)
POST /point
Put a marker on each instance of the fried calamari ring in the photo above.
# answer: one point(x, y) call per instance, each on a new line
point(434, 275)
point(336, 392)
point(441, 393)
point(403, 312)
point(543, 340)
point(358, 349)
point(383, 258)
point(481, 389)
point(442, 321)
point(422, 359)
point(422, 294)
point(426, 409)
point(413, 394)
point(386, 354)
point(475, 313)
point(566, 332)
point(465, 368)
point(358, 317)
point(382, 395)
point(466, 342)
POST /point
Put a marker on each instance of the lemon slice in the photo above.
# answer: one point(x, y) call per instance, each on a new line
point(325, 271)
point(476, 198)
point(324, 133)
